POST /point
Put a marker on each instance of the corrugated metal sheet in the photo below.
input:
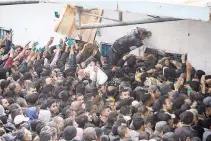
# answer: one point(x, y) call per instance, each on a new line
point(67, 25)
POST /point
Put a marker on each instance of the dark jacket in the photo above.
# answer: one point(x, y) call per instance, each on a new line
point(157, 138)
point(122, 46)
point(7, 46)
point(72, 61)
point(107, 129)
point(185, 132)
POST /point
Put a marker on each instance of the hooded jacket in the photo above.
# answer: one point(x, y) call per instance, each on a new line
point(31, 113)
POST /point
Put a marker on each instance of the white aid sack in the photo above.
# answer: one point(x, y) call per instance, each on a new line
point(138, 51)
point(101, 76)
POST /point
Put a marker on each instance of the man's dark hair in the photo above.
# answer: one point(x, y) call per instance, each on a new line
point(34, 124)
point(68, 122)
point(78, 95)
point(144, 136)
point(32, 98)
point(122, 129)
point(199, 129)
point(96, 122)
point(136, 115)
point(124, 90)
point(16, 76)
point(12, 86)
point(112, 117)
point(68, 112)
point(27, 76)
point(15, 112)
point(142, 109)
point(89, 125)
point(20, 135)
point(13, 106)
point(39, 127)
point(47, 133)
point(207, 123)
point(21, 80)
point(162, 99)
point(4, 119)
point(146, 98)
point(81, 121)
point(166, 129)
point(8, 94)
point(125, 110)
point(120, 121)
point(21, 102)
point(4, 84)
point(151, 120)
point(131, 61)
point(208, 138)
point(119, 73)
point(80, 88)
point(64, 95)
point(186, 117)
point(50, 102)
point(137, 123)
point(103, 109)
point(10, 100)
point(98, 131)
point(195, 139)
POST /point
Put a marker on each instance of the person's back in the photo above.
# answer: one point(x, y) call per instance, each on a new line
point(185, 132)
point(123, 44)
point(126, 43)
point(134, 135)
point(114, 138)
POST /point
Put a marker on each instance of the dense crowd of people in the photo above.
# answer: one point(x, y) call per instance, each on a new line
point(70, 92)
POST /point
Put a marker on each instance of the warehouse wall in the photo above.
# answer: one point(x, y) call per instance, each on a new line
point(31, 22)
point(192, 37)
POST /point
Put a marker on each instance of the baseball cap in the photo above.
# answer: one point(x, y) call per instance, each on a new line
point(19, 119)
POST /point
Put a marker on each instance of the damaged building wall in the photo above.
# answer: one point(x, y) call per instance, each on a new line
point(185, 36)
point(31, 22)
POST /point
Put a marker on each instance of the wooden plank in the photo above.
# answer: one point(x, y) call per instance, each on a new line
point(67, 25)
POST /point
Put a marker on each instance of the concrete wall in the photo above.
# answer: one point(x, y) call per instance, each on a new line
point(36, 23)
point(33, 22)
point(192, 37)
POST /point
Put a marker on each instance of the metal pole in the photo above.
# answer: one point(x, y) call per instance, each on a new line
point(15, 2)
point(93, 15)
point(120, 15)
point(78, 16)
point(151, 20)
point(19, 2)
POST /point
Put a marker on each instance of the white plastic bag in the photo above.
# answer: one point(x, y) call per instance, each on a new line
point(101, 76)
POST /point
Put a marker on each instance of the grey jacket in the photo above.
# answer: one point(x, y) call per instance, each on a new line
point(134, 135)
